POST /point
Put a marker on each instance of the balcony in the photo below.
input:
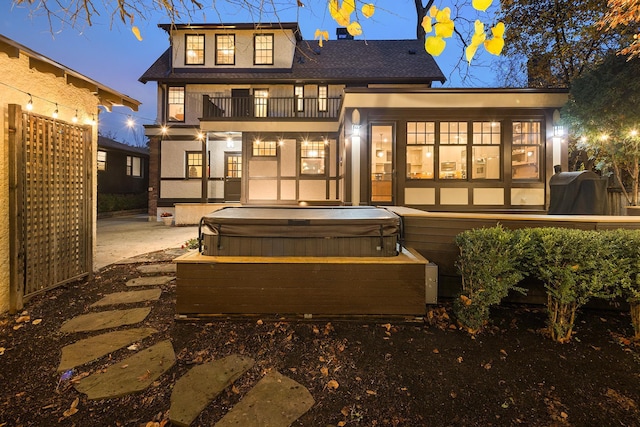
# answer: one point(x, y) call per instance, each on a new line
point(256, 108)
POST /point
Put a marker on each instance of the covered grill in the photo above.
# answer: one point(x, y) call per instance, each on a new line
point(578, 193)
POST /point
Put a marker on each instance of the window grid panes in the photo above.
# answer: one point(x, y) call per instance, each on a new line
point(421, 138)
point(261, 99)
point(298, 93)
point(264, 148)
point(525, 152)
point(194, 164)
point(452, 152)
point(234, 167)
point(134, 166)
point(312, 157)
point(195, 49)
point(263, 48)
point(176, 104)
point(486, 150)
point(486, 133)
point(102, 160)
point(323, 94)
point(225, 49)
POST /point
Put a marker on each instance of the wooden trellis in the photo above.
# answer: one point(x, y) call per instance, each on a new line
point(50, 203)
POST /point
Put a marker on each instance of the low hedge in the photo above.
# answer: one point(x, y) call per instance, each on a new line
point(574, 266)
point(122, 202)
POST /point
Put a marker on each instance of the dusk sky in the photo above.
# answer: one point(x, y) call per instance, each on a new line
point(110, 54)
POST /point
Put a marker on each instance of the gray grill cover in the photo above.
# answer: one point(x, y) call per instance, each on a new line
point(578, 193)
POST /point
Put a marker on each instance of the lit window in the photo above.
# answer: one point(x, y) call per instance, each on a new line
point(452, 152)
point(102, 160)
point(323, 94)
point(525, 151)
point(486, 150)
point(194, 50)
point(312, 157)
point(225, 49)
point(194, 164)
point(264, 148)
point(176, 104)
point(298, 94)
point(234, 166)
point(261, 99)
point(134, 166)
point(421, 137)
point(263, 49)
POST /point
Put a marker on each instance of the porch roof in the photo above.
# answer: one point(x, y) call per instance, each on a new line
point(338, 61)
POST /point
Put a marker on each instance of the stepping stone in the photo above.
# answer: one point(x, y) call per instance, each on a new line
point(105, 320)
point(150, 281)
point(276, 401)
point(198, 387)
point(157, 268)
point(129, 297)
point(133, 374)
point(93, 348)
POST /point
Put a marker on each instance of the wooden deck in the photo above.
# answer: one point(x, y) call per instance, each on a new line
point(317, 286)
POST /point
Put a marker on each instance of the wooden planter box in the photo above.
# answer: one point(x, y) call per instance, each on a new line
point(318, 286)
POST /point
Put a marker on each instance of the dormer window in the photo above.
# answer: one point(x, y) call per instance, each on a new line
point(225, 49)
point(263, 49)
point(194, 53)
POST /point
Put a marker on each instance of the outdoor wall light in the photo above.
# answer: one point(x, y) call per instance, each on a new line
point(30, 103)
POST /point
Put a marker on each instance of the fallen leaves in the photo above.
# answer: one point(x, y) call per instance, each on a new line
point(333, 385)
point(73, 409)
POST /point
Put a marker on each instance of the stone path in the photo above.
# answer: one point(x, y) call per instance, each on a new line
point(275, 401)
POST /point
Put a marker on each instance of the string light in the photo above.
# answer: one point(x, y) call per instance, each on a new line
point(55, 112)
point(30, 103)
point(130, 122)
point(74, 119)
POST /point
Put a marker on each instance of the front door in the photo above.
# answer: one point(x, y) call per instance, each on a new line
point(382, 165)
point(232, 176)
point(240, 103)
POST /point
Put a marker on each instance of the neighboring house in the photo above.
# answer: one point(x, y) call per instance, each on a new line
point(253, 113)
point(48, 143)
point(122, 170)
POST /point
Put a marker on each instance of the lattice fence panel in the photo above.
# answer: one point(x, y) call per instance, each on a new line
point(56, 232)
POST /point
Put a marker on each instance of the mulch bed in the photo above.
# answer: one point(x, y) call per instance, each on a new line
point(363, 372)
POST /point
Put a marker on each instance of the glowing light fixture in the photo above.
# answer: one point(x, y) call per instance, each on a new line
point(130, 122)
point(164, 129)
point(30, 103)
point(55, 112)
point(74, 119)
point(380, 151)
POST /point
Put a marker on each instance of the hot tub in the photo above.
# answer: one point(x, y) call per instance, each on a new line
point(301, 231)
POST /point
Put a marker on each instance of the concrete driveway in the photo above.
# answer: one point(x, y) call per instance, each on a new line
point(124, 237)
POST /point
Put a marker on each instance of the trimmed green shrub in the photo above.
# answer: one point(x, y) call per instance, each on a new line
point(122, 202)
point(490, 263)
point(575, 266)
point(626, 243)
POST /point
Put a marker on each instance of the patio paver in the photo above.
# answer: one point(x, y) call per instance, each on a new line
point(105, 320)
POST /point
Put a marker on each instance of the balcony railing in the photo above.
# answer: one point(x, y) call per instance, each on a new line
point(216, 108)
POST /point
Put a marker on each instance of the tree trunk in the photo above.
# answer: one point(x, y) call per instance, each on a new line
point(561, 319)
point(635, 317)
point(421, 12)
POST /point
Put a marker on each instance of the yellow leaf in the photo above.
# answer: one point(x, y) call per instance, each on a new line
point(333, 385)
point(136, 32)
point(324, 371)
point(494, 46)
point(443, 15)
point(426, 24)
point(354, 28)
point(434, 45)
point(477, 39)
point(348, 6)
point(465, 300)
point(444, 29)
point(498, 30)
point(321, 35)
point(73, 409)
point(470, 52)
point(368, 10)
point(481, 5)
point(433, 11)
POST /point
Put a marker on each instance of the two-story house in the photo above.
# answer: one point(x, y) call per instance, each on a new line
point(253, 113)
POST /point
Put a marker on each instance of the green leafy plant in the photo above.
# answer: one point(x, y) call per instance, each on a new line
point(490, 263)
point(626, 244)
point(575, 266)
point(191, 243)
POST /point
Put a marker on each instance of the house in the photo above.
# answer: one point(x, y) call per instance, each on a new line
point(255, 114)
point(123, 176)
point(48, 139)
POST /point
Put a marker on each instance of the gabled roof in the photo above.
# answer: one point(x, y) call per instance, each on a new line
point(107, 97)
point(338, 61)
point(108, 143)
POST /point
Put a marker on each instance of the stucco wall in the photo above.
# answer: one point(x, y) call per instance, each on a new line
point(16, 81)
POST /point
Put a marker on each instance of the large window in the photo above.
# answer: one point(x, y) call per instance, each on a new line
point(225, 49)
point(102, 160)
point(261, 102)
point(298, 94)
point(312, 157)
point(263, 49)
point(486, 150)
point(176, 104)
point(194, 54)
point(525, 151)
point(323, 94)
point(421, 139)
point(264, 148)
point(194, 164)
point(453, 150)
point(134, 166)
